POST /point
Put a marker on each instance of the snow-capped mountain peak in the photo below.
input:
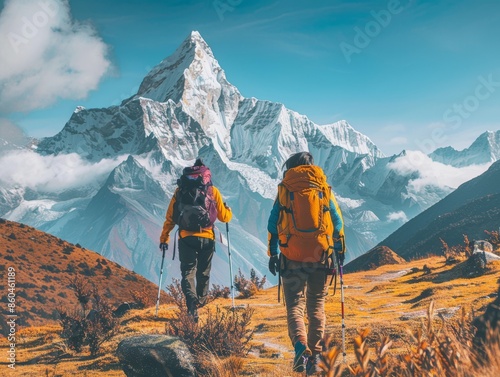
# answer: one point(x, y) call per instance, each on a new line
point(485, 149)
point(166, 80)
point(192, 77)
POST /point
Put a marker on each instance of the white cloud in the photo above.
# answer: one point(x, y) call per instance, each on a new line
point(11, 136)
point(431, 173)
point(46, 55)
point(52, 174)
point(397, 216)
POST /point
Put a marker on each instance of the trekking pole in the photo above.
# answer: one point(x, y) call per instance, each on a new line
point(341, 276)
point(159, 284)
point(230, 265)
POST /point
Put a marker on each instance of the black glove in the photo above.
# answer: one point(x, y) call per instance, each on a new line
point(338, 247)
point(274, 264)
point(163, 246)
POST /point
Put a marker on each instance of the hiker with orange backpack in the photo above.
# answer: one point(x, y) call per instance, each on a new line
point(195, 206)
point(306, 223)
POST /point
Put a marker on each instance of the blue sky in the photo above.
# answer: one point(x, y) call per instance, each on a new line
point(424, 74)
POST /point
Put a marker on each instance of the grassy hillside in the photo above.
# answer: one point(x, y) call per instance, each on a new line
point(389, 300)
point(44, 268)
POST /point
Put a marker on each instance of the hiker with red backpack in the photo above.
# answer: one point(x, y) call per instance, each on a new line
point(194, 207)
point(306, 223)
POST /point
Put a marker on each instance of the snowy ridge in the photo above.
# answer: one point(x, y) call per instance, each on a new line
point(342, 134)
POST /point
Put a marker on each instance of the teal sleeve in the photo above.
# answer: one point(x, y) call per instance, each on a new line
point(336, 219)
point(272, 228)
point(272, 223)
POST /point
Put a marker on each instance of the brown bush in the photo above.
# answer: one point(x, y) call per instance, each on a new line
point(493, 238)
point(248, 287)
point(218, 291)
point(87, 328)
point(456, 253)
point(220, 332)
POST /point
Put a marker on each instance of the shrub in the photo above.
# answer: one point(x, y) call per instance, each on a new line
point(218, 291)
point(221, 332)
point(493, 238)
point(50, 268)
point(80, 288)
point(248, 288)
point(68, 249)
point(130, 277)
point(87, 328)
point(107, 272)
point(70, 268)
point(456, 253)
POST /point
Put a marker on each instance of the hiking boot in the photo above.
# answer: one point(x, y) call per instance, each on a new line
point(202, 301)
point(312, 366)
point(301, 355)
point(193, 313)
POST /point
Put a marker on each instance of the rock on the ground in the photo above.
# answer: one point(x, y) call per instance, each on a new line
point(487, 255)
point(155, 356)
point(124, 308)
point(483, 246)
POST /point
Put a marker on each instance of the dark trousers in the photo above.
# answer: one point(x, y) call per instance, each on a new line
point(195, 254)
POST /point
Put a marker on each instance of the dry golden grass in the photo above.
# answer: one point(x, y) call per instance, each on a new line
point(384, 300)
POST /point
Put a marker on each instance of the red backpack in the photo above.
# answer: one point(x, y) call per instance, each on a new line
point(195, 207)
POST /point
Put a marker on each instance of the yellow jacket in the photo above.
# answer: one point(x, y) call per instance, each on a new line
point(224, 214)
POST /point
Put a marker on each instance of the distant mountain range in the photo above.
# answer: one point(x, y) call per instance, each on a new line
point(185, 108)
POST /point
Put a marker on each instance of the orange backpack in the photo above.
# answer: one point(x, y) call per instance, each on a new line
point(305, 226)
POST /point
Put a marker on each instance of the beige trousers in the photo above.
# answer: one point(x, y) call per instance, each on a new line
point(305, 288)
